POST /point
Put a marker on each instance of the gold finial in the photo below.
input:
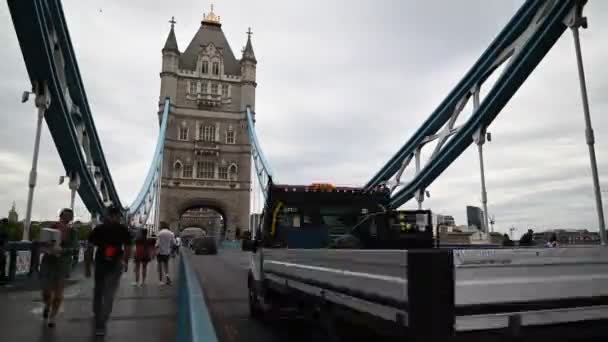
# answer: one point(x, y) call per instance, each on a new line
point(211, 17)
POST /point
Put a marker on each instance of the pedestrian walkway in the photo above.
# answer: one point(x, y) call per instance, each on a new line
point(145, 313)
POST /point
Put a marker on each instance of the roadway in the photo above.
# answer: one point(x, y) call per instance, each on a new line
point(224, 280)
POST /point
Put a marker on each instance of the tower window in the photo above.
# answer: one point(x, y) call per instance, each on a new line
point(205, 67)
point(187, 172)
point(208, 133)
point(213, 88)
point(183, 133)
point(230, 137)
point(223, 172)
point(205, 169)
point(224, 90)
point(216, 68)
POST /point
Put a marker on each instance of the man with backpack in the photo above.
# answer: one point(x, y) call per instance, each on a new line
point(113, 242)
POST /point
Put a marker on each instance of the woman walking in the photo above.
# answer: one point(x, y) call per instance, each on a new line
point(143, 250)
point(55, 267)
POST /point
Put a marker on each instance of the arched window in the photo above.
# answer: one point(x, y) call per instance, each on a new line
point(233, 172)
point(216, 68)
point(177, 169)
point(205, 67)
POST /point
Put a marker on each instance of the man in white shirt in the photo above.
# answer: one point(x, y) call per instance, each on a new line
point(164, 244)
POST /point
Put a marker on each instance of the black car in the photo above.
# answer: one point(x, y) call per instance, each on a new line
point(204, 245)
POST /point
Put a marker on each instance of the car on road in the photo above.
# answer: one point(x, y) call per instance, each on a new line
point(204, 245)
point(189, 234)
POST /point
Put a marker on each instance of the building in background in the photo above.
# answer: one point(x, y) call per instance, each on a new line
point(568, 237)
point(445, 223)
point(475, 217)
point(207, 153)
point(13, 217)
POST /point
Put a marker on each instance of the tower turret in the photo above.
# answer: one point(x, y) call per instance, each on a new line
point(248, 70)
point(168, 75)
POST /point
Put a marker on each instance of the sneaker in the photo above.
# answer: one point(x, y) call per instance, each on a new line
point(100, 331)
point(161, 283)
point(168, 280)
point(134, 283)
point(51, 322)
point(45, 312)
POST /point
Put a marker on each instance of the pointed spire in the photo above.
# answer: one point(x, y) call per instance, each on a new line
point(171, 43)
point(248, 50)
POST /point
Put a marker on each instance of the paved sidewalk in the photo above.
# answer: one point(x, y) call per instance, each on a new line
point(140, 313)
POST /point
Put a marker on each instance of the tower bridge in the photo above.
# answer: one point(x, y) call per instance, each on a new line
point(209, 169)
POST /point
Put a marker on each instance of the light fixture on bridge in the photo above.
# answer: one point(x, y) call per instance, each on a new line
point(26, 96)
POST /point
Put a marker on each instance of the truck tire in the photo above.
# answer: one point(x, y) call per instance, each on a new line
point(255, 311)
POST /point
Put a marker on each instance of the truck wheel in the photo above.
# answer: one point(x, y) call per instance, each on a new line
point(254, 305)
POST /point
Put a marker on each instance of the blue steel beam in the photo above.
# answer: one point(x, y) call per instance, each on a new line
point(262, 166)
point(49, 58)
point(76, 89)
point(514, 75)
point(477, 74)
point(153, 172)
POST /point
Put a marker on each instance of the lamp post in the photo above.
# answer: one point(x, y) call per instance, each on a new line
point(576, 21)
point(43, 101)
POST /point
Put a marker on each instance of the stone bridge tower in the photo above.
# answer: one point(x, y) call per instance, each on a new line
point(207, 155)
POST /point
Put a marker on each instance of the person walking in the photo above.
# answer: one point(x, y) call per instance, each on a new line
point(164, 245)
point(113, 243)
point(143, 254)
point(55, 267)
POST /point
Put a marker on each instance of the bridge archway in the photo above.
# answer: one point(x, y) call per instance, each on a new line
point(220, 217)
point(211, 220)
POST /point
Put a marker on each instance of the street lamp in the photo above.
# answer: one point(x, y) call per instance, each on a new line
point(43, 101)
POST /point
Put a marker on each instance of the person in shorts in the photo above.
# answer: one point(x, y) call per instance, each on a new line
point(55, 268)
point(143, 254)
point(164, 245)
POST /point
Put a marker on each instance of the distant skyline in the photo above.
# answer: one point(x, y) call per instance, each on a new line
point(356, 78)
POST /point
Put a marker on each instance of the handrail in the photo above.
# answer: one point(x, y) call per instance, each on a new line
point(194, 320)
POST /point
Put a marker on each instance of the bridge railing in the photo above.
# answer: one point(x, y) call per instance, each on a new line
point(194, 320)
point(22, 259)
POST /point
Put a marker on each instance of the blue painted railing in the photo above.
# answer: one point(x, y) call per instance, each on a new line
point(194, 320)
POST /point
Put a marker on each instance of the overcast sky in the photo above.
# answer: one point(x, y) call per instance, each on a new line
point(341, 86)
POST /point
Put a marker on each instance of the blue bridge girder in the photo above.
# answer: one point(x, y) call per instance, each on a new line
point(526, 39)
point(141, 206)
point(51, 64)
point(261, 165)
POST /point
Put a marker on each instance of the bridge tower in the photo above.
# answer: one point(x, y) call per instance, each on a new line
point(207, 154)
